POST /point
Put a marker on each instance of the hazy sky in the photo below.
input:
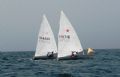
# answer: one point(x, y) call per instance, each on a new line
point(97, 22)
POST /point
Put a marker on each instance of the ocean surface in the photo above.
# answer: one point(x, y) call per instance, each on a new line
point(105, 63)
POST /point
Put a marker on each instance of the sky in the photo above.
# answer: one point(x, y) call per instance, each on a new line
point(97, 22)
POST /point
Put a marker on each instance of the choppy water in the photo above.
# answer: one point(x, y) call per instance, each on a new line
point(106, 63)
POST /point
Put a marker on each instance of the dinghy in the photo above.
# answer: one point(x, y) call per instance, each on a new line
point(46, 45)
point(69, 45)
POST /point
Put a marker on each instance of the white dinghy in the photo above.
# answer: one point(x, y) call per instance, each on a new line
point(46, 45)
point(69, 45)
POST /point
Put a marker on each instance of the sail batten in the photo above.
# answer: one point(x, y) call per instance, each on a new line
point(68, 40)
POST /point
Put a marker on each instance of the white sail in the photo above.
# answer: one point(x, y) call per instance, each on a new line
point(68, 40)
point(46, 41)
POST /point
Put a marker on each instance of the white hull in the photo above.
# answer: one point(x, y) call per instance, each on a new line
point(45, 57)
point(76, 57)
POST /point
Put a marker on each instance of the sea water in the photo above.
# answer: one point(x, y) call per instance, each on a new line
point(105, 63)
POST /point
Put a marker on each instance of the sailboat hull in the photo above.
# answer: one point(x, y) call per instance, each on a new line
point(79, 56)
point(45, 57)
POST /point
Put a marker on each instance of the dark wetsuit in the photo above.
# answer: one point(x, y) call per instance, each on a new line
point(50, 54)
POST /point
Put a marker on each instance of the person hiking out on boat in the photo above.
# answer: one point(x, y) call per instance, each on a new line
point(50, 54)
point(74, 54)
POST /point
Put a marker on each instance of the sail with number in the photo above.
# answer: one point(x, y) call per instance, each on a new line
point(68, 40)
point(46, 41)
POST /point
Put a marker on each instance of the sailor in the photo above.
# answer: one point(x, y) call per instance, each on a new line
point(50, 54)
point(74, 54)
